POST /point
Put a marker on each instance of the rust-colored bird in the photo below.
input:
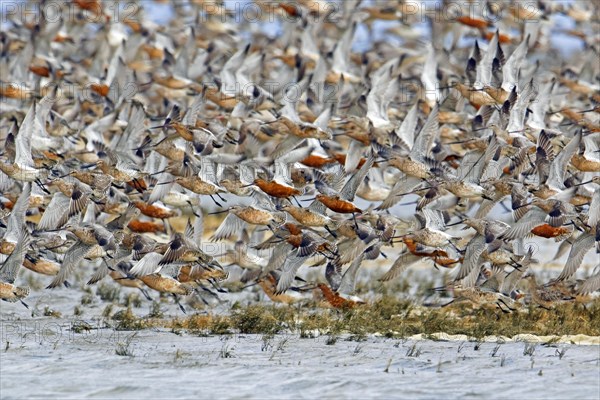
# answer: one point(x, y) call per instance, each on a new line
point(548, 231)
point(335, 300)
point(139, 226)
point(269, 285)
point(154, 211)
point(275, 189)
point(335, 203)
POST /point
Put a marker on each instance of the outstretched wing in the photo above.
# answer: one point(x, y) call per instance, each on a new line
point(73, 257)
point(10, 268)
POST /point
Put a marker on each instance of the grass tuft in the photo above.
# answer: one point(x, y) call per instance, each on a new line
point(387, 316)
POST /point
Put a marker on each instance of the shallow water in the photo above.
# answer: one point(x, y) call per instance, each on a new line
point(42, 357)
point(46, 359)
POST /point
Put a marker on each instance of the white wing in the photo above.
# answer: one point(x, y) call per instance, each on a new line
point(147, 265)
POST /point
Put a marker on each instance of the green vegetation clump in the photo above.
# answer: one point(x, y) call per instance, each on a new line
point(128, 321)
point(48, 312)
point(108, 292)
point(132, 300)
point(387, 316)
point(256, 319)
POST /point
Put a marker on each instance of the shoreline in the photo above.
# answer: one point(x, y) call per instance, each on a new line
point(573, 323)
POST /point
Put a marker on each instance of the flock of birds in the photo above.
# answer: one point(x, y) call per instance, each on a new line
point(114, 128)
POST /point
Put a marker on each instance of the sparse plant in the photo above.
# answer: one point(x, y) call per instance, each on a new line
point(108, 292)
point(106, 313)
point(331, 339)
point(529, 349)
point(414, 351)
point(132, 300)
point(80, 326)
point(127, 321)
point(48, 312)
point(387, 367)
point(123, 348)
point(267, 342)
point(155, 311)
point(87, 299)
point(561, 353)
point(495, 350)
point(282, 343)
point(226, 351)
point(178, 355)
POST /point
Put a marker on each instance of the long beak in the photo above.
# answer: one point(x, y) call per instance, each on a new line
point(157, 173)
point(218, 212)
point(54, 230)
point(449, 87)
point(250, 285)
point(522, 205)
point(408, 204)
point(144, 144)
point(304, 288)
point(456, 223)
point(595, 109)
point(414, 191)
point(467, 140)
point(583, 183)
point(581, 112)
point(165, 183)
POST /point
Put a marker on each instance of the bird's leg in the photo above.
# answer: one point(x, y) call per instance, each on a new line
point(209, 291)
point(507, 306)
point(455, 248)
point(216, 285)
point(502, 309)
point(297, 202)
point(42, 186)
point(107, 265)
point(145, 293)
point(179, 304)
point(201, 298)
point(448, 303)
point(193, 211)
point(216, 202)
point(332, 233)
